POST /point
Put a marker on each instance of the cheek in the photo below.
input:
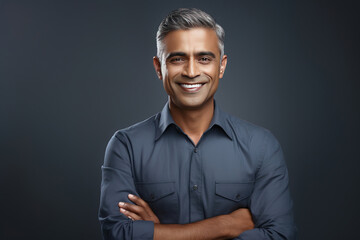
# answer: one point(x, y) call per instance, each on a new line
point(173, 74)
point(212, 70)
point(174, 70)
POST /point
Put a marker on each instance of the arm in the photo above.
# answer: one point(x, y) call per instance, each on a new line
point(118, 182)
point(220, 227)
point(270, 204)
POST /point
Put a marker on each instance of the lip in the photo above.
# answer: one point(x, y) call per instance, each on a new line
point(191, 87)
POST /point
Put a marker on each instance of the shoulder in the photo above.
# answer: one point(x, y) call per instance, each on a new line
point(142, 130)
point(258, 140)
point(246, 131)
point(122, 144)
point(260, 143)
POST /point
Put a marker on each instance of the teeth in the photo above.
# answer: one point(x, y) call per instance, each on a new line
point(191, 85)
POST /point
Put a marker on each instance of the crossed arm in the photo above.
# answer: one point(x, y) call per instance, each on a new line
point(270, 204)
point(220, 227)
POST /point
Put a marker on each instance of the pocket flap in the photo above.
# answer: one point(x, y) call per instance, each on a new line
point(153, 191)
point(234, 191)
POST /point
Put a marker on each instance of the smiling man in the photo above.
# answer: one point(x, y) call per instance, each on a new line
point(193, 171)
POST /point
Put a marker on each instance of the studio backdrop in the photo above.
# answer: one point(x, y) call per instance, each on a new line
point(74, 72)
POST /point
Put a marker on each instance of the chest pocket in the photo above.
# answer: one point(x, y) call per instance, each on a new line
point(162, 199)
point(231, 196)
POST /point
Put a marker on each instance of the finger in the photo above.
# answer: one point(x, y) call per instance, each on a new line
point(137, 200)
point(150, 214)
point(139, 210)
point(131, 215)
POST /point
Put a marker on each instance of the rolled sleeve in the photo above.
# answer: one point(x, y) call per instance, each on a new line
point(271, 204)
point(117, 183)
point(143, 230)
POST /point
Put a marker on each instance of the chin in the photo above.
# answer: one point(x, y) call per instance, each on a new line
point(192, 104)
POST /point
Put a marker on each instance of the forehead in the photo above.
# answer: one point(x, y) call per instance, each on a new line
point(191, 41)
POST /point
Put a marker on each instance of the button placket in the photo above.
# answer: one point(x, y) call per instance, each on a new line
point(196, 204)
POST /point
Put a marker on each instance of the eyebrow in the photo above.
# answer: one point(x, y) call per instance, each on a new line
point(173, 54)
point(211, 54)
point(182, 54)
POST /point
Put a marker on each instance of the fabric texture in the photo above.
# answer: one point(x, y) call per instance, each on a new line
point(234, 165)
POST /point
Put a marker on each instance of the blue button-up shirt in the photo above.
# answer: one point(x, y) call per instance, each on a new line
point(234, 165)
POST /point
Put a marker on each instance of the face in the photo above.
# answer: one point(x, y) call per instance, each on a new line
point(191, 67)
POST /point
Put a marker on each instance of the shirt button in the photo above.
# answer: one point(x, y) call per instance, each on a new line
point(195, 150)
point(238, 197)
point(195, 187)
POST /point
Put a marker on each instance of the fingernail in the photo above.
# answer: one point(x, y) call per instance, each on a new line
point(121, 203)
point(122, 210)
point(131, 196)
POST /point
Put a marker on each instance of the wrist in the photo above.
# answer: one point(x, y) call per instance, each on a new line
point(227, 226)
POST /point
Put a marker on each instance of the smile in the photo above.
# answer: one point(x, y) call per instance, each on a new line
point(191, 87)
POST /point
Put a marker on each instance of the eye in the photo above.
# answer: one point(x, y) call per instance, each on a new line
point(205, 59)
point(176, 60)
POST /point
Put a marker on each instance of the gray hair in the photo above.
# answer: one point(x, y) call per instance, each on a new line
point(184, 19)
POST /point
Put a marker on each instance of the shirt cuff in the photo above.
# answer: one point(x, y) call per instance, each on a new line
point(143, 230)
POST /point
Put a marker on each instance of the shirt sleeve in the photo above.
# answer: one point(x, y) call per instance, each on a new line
point(117, 183)
point(270, 203)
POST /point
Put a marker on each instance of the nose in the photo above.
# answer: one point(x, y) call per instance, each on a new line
point(191, 69)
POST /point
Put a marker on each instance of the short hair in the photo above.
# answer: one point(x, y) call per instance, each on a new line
point(184, 19)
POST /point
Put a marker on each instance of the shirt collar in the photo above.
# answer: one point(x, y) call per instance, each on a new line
point(164, 120)
point(220, 119)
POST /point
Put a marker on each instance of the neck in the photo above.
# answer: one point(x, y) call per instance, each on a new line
point(193, 122)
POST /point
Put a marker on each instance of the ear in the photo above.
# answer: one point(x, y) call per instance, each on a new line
point(223, 66)
point(157, 66)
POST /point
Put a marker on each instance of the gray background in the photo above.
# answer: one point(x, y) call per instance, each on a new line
point(73, 72)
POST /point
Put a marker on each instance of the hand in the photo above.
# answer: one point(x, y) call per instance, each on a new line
point(139, 211)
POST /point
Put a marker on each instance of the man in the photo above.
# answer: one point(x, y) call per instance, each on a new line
point(193, 171)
